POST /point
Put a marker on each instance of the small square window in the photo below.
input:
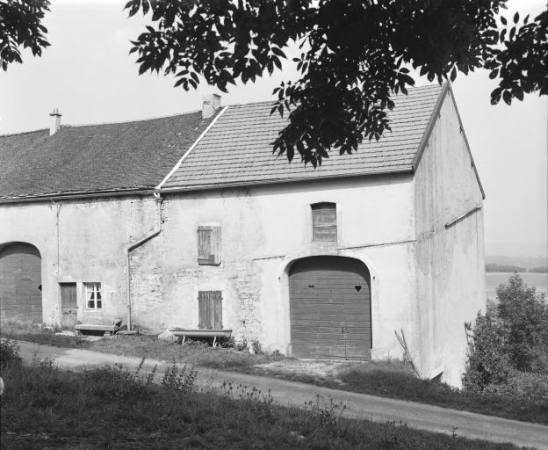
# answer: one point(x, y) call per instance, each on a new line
point(93, 296)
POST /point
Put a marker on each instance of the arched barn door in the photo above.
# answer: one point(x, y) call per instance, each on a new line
point(330, 308)
point(20, 283)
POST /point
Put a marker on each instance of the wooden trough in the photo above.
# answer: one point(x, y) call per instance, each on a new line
point(202, 334)
point(112, 329)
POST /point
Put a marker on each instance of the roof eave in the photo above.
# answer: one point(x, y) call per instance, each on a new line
point(76, 196)
point(174, 190)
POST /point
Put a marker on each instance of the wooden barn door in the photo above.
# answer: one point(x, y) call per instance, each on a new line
point(330, 308)
point(69, 304)
point(21, 283)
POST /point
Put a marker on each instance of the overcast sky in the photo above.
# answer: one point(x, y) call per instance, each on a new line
point(88, 75)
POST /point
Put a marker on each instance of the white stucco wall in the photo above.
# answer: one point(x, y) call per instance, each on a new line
point(81, 241)
point(449, 261)
point(265, 229)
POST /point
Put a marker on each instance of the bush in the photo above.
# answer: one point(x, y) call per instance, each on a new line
point(508, 346)
point(9, 353)
point(486, 363)
point(524, 321)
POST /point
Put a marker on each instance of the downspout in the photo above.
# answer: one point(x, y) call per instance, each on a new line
point(131, 247)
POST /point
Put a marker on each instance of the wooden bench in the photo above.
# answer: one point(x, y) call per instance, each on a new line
point(202, 334)
point(112, 329)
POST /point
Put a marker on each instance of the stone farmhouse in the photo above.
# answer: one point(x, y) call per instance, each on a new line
point(191, 222)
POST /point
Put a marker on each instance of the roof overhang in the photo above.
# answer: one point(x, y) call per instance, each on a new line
point(77, 196)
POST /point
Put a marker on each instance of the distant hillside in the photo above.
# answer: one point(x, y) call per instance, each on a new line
point(527, 262)
point(527, 256)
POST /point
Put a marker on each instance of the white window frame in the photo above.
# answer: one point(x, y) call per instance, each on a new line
point(93, 295)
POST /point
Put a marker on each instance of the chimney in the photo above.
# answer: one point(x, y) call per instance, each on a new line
point(210, 104)
point(55, 122)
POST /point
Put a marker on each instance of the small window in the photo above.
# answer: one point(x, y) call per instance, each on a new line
point(324, 222)
point(211, 310)
point(93, 296)
point(209, 245)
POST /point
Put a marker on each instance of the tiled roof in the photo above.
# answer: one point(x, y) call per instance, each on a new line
point(238, 148)
point(95, 158)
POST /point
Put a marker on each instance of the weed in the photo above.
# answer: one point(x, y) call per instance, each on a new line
point(179, 380)
point(256, 347)
point(325, 412)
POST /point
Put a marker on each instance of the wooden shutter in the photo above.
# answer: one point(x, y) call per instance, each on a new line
point(324, 222)
point(204, 305)
point(210, 310)
point(209, 245)
point(217, 310)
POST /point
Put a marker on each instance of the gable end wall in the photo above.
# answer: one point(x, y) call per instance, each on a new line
point(450, 261)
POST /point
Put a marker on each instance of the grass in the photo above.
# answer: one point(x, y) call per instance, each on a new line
point(108, 408)
point(390, 379)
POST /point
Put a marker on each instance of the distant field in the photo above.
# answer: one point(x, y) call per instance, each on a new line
point(494, 279)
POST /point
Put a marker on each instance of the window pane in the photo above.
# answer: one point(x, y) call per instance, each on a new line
point(99, 304)
point(91, 303)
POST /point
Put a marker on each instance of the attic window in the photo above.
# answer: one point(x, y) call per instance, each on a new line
point(324, 222)
point(209, 245)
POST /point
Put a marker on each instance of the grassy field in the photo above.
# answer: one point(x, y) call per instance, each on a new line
point(44, 408)
point(390, 379)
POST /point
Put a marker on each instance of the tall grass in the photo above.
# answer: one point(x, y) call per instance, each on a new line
point(110, 408)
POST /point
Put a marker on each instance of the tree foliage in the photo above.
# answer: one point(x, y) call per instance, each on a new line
point(354, 55)
point(21, 25)
point(512, 337)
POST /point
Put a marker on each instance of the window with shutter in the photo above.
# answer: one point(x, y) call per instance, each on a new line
point(210, 308)
point(209, 245)
point(324, 222)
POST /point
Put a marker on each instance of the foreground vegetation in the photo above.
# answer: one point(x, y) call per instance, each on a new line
point(391, 379)
point(508, 346)
point(507, 372)
point(114, 409)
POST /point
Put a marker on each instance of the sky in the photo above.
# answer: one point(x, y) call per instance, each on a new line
point(88, 74)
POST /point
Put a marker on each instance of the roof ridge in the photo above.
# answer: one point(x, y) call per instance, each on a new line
point(149, 119)
point(85, 125)
point(411, 89)
point(23, 132)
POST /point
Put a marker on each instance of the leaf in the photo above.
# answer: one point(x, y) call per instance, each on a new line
point(516, 17)
point(507, 97)
point(503, 20)
point(454, 73)
point(495, 96)
point(494, 74)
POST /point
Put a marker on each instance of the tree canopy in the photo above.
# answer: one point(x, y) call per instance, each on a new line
point(21, 25)
point(354, 56)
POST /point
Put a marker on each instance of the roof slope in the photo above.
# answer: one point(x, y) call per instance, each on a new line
point(238, 148)
point(95, 158)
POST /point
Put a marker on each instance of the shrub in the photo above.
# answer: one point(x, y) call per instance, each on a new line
point(509, 340)
point(486, 363)
point(9, 353)
point(524, 320)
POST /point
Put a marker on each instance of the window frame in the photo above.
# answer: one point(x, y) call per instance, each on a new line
point(316, 210)
point(95, 289)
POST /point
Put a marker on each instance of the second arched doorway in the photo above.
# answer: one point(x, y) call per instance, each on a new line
point(330, 308)
point(21, 283)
